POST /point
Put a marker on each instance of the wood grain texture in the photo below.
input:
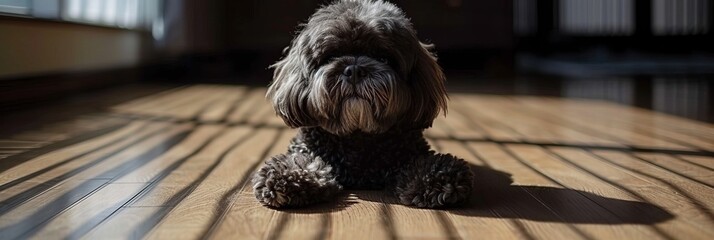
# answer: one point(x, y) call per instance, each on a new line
point(89, 210)
point(64, 154)
point(613, 128)
point(239, 214)
point(177, 165)
point(229, 98)
point(532, 127)
point(204, 206)
point(644, 189)
point(124, 224)
point(254, 101)
point(489, 226)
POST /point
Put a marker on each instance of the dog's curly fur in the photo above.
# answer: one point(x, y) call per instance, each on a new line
point(361, 128)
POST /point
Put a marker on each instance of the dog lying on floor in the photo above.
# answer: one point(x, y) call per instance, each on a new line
point(361, 88)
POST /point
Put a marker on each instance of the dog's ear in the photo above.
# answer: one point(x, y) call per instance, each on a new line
point(426, 81)
point(288, 91)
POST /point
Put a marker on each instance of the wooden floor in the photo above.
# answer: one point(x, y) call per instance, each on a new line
point(175, 165)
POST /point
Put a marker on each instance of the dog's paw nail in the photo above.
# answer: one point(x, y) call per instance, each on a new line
point(273, 198)
point(268, 195)
point(447, 198)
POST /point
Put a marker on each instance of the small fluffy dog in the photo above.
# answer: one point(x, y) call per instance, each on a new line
point(362, 89)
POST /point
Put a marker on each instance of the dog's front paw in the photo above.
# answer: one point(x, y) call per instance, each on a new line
point(435, 181)
point(270, 188)
point(294, 180)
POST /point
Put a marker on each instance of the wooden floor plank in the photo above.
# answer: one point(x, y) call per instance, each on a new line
point(532, 128)
point(192, 169)
point(494, 130)
point(570, 208)
point(78, 135)
point(254, 99)
point(250, 218)
point(263, 112)
point(123, 224)
point(534, 217)
point(41, 179)
point(67, 130)
point(185, 104)
point(37, 210)
point(681, 168)
point(647, 190)
point(158, 105)
point(616, 199)
point(198, 102)
point(628, 136)
point(636, 134)
point(229, 98)
point(701, 161)
point(411, 222)
point(63, 154)
point(194, 146)
point(149, 101)
point(199, 137)
point(178, 164)
point(193, 216)
point(88, 212)
point(647, 119)
point(696, 193)
point(118, 163)
point(466, 130)
point(659, 120)
point(562, 190)
point(299, 224)
point(109, 169)
point(273, 120)
point(359, 216)
point(481, 221)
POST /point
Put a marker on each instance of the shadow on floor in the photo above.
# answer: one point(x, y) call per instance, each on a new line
point(495, 196)
point(345, 200)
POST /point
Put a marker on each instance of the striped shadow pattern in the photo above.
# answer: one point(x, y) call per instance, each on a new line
point(177, 165)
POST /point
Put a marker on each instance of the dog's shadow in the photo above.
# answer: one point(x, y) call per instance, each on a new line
point(495, 196)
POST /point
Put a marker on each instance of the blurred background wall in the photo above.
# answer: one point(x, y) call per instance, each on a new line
point(654, 54)
point(32, 48)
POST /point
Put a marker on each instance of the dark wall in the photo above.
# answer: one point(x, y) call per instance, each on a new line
point(452, 24)
point(472, 35)
point(266, 25)
point(457, 24)
point(261, 29)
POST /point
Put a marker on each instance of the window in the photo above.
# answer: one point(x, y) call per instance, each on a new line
point(603, 17)
point(19, 7)
point(680, 17)
point(128, 14)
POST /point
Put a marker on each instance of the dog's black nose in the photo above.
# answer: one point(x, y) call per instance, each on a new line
point(350, 71)
point(353, 74)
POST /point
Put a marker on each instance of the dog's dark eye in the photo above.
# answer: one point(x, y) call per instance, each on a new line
point(383, 60)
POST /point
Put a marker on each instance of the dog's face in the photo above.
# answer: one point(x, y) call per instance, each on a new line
point(357, 66)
